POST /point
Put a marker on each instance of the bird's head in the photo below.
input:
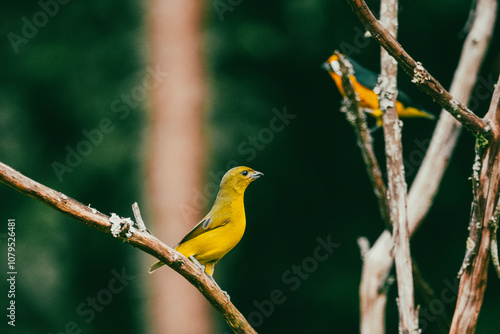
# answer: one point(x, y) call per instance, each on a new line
point(332, 65)
point(238, 178)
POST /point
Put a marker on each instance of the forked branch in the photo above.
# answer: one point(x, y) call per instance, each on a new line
point(420, 76)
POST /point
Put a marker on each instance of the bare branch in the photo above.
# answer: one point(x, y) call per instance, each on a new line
point(357, 119)
point(372, 300)
point(440, 150)
point(429, 296)
point(417, 72)
point(138, 217)
point(475, 270)
point(494, 242)
point(397, 188)
point(145, 242)
point(429, 176)
point(372, 294)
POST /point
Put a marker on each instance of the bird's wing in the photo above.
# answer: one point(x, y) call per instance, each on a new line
point(364, 76)
point(205, 225)
point(369, 79)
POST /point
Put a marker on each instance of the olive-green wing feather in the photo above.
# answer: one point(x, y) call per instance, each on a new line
point(207, 224)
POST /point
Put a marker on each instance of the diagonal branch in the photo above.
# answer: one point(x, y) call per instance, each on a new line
point(144, 241)
point(357, 119)
point(423, 79)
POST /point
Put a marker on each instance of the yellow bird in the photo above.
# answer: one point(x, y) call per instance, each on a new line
point(364, 81)
point(223, 227)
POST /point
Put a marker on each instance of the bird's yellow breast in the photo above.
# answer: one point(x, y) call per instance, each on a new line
point(212, 245)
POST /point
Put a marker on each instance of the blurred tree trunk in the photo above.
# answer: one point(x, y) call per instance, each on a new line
point(176, 156)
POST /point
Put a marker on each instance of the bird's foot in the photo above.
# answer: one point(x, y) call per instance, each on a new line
point(198, 264)
point(224, 292)
point(374, 129)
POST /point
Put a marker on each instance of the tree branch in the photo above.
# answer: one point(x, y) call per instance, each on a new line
point(378, 260)
point(357, 118)
point(397, 188)
point(373, 287)
point(373, 294)
point(486, 183)
point(145, 242)
point(418, 73)
point(445, 136)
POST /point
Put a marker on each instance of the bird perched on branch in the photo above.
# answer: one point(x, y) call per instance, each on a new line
point(223, 227)
point(364, 81)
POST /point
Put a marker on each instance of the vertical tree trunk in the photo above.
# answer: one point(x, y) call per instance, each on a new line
point(176, 156)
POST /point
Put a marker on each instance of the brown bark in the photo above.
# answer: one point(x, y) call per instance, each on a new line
point(135, 237)
point(486, 184)
point(426, 183)
point(397, 188)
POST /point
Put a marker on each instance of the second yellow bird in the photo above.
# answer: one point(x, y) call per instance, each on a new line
point(223, 227)
point(364, 81)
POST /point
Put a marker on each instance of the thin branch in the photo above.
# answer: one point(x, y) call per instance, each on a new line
point(145, 242)
point(494, 242)
point(138, 217)
point(397, 188)
point(373, 316)
point(420, 76)
point(475, 274)
point(445, 136)
point(372, 291)
point(357, 119)
point(429, 296)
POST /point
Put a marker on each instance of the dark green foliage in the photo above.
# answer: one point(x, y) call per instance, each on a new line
point(273, 109)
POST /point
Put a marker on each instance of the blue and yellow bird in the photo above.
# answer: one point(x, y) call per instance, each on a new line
point(364, 81)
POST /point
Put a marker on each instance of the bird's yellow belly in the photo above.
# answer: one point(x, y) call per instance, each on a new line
point(213, 245)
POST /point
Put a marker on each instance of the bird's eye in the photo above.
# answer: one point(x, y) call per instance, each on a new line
point(244, 173)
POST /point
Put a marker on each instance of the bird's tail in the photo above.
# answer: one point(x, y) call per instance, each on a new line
point(155, 266)
point(414, 112)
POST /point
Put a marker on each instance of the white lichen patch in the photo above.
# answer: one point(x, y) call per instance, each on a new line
point(419, 75)
point(337, 68)
point(470, 244)
point(385, 89)
point(455, 105)
point(346, 108)
point(386, 104)
point(130, 223)
point(476, 168)
point(117, 223)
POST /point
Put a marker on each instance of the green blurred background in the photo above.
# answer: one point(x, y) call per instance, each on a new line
point(261, 56)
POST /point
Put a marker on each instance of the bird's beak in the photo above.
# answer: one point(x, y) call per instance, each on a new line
point(256, 175)
point(326, 66)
